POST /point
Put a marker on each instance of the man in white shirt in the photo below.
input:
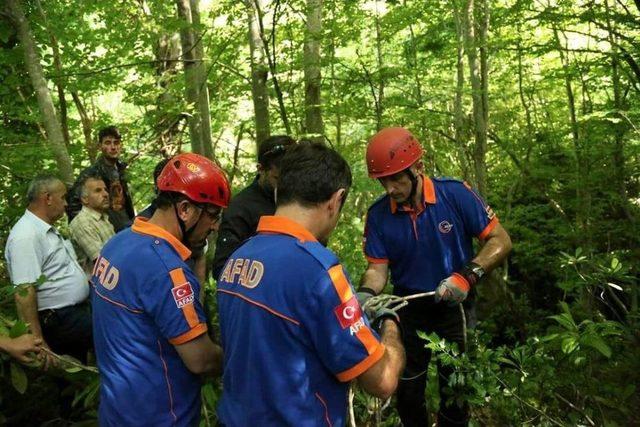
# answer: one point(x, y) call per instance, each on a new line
point(54, 288)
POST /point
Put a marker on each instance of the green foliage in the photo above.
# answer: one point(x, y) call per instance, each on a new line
point(568, 193)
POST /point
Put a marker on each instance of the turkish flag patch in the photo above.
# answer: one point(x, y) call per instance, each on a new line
point(348, 312)
point(183, 294)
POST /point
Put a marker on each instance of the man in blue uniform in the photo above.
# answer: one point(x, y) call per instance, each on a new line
point(422, 231)
point(292, 330)
point(149, 326)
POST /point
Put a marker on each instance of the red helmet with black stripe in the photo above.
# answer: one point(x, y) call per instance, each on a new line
point(390, 151)
point(196, 177)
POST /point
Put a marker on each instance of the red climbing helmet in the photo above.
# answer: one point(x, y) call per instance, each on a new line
point(390, 151)
point(196, 177)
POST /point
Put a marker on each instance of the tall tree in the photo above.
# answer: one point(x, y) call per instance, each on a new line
point(259, 71)
point(13, 9)
point(473, 39)
point(314, 126)
point(458, 102)
point(196, 90)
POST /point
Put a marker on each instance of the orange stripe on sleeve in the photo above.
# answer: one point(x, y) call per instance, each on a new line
point(364, 334)
point(190, 334)
point(341, 283)
point(361, 367)
point(377, 260)
point(492, 224)
point(368, 339)
point(188, 310)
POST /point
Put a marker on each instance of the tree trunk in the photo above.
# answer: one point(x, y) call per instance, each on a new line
point(620, 128)
point(270, 53)
point(167, 51)
point(87, 125)
point(314, 127)
point(458, 110)
point(203, 88)
point(45, 103)
point(335, 96)
point(259, 72)
point(57, 65)
point(196, 91)
point(582, 204)
point(381, 72)
point(477, 97)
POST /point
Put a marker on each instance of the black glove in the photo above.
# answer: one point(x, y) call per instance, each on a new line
point(382, 315)
point(365, 294)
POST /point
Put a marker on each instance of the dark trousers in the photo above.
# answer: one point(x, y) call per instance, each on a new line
point(68, 330)
point(425, 315)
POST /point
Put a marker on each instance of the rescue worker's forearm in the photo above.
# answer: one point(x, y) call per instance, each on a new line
point(381, 380)
point(27, 306)
point(375, 277)
point(495, 249)
point(218, 358)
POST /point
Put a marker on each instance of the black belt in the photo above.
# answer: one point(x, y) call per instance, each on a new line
point(47, 313)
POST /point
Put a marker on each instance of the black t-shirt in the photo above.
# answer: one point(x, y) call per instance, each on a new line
point(240, 220)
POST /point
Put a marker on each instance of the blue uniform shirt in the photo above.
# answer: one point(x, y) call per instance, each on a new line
point(145, 301)
point(424, 247)
point(292, 331)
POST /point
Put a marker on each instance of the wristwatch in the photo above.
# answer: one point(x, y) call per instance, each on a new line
point(472, 272)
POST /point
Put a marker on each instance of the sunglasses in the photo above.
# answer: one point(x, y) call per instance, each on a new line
point(276, 149)
point(214, 214)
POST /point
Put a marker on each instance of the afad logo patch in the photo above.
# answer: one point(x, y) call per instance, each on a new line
point(348, 312)
point(183, 294)
point(445, 226)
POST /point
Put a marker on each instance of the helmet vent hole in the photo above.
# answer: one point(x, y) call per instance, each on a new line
point(177, 164)
point(204, 196)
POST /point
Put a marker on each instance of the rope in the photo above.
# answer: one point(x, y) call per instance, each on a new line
point(374, 304)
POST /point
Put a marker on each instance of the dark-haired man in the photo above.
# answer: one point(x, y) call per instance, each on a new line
point(292, 330)
point(197, 261)
point(150, 329)
point(112, 170)
point(240, 219)
point(421, 234)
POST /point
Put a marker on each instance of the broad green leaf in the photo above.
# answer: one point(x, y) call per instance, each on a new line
point(569, 344)
point(19, 328)
point(18, 378)
point(41, 280)
point(594, 341)
point(566, 321)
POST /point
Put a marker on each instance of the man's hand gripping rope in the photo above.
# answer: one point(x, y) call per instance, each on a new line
point(377, 308)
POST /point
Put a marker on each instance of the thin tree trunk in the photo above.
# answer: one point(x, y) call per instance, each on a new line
point(236, 154)
point(87, 125)
point(167, 51)
point(270, 53)
point(619, 161)
point(196, 91)
point(381, 72)
point(203, 88)
point(477, 97)
point(57, 65)
point(259, 72)
point(314, 127)
point(32, 61)
point(581, 192)
point(337, 99)
point(458, 111)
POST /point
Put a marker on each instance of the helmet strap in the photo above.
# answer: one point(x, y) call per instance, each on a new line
point(186, 233)
point(414, 187)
